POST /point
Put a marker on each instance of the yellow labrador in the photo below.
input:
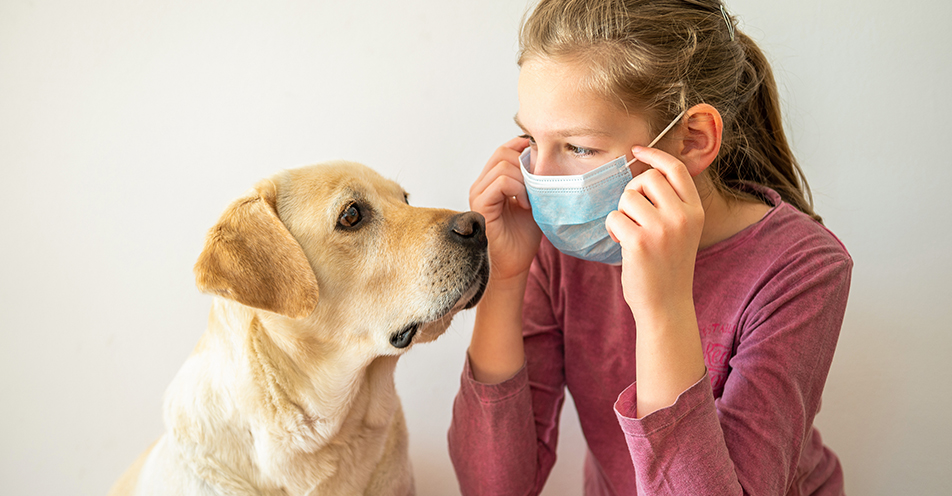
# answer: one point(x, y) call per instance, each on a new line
point(325, 276)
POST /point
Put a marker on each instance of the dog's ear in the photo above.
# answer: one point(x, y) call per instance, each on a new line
point(252, 258)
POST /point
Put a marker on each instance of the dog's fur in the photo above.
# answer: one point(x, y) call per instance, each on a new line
point(290, 390)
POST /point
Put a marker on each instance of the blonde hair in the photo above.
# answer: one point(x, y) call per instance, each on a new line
point(661, 57)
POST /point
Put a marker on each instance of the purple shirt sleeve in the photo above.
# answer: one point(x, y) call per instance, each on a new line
point(687, 432)
point(492, 438)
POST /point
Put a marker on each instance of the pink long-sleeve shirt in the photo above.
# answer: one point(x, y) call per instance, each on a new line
point(769, 300)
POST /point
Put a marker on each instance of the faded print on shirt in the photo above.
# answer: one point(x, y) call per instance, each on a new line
point(717, 341)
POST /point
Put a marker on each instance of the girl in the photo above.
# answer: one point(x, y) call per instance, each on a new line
point(693, 263)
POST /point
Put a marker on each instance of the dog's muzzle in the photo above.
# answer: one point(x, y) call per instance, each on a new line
point(467, 231)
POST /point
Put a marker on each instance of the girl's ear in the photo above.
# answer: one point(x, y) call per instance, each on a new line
point(700, 138)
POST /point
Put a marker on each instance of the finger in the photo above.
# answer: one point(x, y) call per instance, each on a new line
point(638, 208)
point(509, 152)
point(499, 192)
point(518, 143)
point(654, 185)
point(673, 169)
point(505, 156)
point(501, 169)
point(622, 229)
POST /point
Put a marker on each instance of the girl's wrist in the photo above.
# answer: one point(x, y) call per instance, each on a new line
point(665, 313)
point(512, 284)
point(496, 350)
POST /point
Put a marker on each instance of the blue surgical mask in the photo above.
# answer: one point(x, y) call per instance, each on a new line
point(571, 210)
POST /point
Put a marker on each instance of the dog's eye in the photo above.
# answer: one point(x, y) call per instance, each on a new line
point(406, 198)
point(351, 216)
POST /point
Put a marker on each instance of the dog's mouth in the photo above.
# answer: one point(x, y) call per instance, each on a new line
point(468, 298)
point(482, 277)
point(403, 338)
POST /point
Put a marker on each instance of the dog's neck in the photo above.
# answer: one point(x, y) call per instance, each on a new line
point(287, 398)
point(308, 382)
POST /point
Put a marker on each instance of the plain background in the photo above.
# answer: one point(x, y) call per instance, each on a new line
point(127, 126)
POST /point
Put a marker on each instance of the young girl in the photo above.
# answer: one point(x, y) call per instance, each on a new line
point(694, 264)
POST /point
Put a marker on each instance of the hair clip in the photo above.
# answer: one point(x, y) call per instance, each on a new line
point(727, 19)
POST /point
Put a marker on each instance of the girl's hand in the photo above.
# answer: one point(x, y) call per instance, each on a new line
point(496, 349)
point(658, 223)
point(500, 195)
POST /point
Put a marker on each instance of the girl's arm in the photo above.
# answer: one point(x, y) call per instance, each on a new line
point(501, 438)
point(658, 223)
point(750, 441)
point(758, 437)
point(499, 194)
point(496, 351)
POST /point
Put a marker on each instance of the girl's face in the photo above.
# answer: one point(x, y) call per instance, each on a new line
point(571, 130)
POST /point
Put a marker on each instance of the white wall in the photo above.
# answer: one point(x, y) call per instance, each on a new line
point(125, 128)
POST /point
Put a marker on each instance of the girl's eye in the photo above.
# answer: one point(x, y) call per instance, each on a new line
point(530, 138)
point(579, 151)
point(351, 216)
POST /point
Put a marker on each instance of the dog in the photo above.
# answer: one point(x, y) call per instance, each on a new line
point(323, 277)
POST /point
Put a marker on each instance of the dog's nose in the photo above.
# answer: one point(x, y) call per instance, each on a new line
point(469, 228)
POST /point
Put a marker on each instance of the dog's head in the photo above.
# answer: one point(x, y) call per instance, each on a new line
point(335, 250)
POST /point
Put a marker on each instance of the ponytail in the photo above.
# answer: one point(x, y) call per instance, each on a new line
point(756, 148)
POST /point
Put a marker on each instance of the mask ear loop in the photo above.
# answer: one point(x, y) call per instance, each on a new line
point(661, 135)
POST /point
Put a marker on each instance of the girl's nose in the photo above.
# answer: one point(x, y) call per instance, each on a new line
point(541, 165)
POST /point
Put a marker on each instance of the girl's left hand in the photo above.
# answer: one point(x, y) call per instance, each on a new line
point(658, 223)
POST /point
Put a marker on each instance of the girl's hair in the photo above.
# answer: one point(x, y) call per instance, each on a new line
point(661, 57)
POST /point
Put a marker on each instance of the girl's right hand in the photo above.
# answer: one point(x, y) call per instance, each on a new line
point(499, 194)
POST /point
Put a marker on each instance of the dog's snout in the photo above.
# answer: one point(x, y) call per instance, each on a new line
point(469, 228)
